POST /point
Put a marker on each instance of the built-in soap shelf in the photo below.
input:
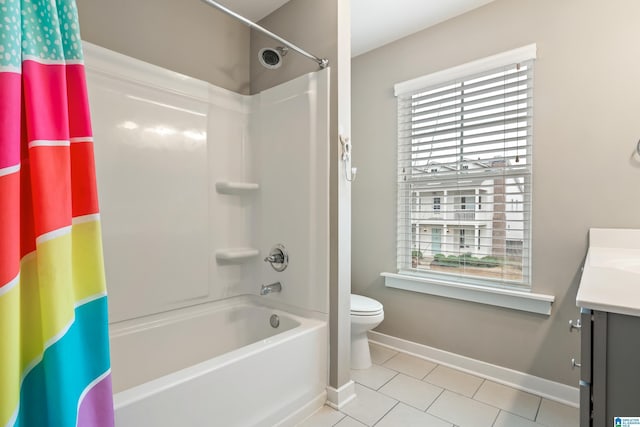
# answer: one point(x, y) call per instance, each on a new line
point(236, 255)
point(229, 187)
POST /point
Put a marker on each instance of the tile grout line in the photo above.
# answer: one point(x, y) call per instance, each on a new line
point(389, 380)
point(496, 418)
point(366, 386)
point(408, 404)
point(387, 359)
point(385, 414)
point(376, 392)
point(486, 404)
point(535, 418)
point(451, 390)
point(430, 370)
point(440, 418)
point(462, 395)
point(340, 420)
point(473, 396)
point(453, 367)
point(518, 415)
point(507, 411)
point(407, 374)
point(434, 401)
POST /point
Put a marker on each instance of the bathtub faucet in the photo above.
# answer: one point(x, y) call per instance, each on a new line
point(274, 287)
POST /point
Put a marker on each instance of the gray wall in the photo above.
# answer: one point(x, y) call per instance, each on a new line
point(586, 125)
point(313, 26)
point(309, 24)
point(184, 36)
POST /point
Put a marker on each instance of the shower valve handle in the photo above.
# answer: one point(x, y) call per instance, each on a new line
point(278, 258)
point(275, 258)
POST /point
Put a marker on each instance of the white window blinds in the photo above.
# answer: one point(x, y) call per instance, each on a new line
point(464, 177)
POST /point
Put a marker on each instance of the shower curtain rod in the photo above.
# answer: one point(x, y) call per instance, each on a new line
point(322, 62)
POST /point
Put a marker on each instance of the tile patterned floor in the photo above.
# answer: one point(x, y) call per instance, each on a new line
point(401, 390)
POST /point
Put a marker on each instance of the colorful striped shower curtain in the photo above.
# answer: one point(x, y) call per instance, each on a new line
point(54, 353)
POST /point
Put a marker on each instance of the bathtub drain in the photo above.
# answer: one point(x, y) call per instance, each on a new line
point(274, 320)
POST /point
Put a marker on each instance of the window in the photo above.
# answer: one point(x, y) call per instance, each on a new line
point(463, 238)
point(466, 134)
point(436, 203)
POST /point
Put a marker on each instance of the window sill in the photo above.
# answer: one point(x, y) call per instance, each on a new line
point(517, 300)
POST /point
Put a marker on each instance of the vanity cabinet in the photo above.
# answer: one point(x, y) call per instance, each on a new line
point(609, 301)
point(610, 367)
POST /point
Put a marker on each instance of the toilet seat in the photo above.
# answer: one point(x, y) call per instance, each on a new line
point(363, 306)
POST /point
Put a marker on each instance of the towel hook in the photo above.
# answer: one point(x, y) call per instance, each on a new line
point(346, 158)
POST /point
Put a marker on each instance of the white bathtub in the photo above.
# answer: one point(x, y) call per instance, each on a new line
point(218, 364)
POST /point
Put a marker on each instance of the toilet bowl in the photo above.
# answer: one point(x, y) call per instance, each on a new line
point(366, 314)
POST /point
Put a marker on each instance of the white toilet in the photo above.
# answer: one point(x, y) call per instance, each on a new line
point(366, 314)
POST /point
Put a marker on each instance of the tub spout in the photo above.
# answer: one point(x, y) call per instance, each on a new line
point(274, 287)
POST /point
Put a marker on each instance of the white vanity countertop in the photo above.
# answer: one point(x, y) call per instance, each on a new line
point(611, 276)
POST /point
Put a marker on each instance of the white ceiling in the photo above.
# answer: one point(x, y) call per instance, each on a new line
point(254, 10)
point(377, 22)
point(374, 23)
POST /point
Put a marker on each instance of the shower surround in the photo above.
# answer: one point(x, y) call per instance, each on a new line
point(196, 184)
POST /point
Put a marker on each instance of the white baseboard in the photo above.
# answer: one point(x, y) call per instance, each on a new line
point(305, 412)
point(551, 390)
point(338, 398)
